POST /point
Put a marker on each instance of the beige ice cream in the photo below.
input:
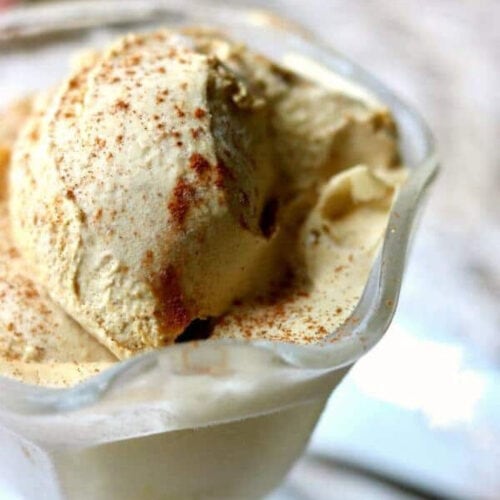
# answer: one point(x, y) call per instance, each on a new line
point(180, 176)
point(39, 342)
point(335, 145)
point(138, 191)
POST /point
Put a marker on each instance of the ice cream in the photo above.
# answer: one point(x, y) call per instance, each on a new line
point(138, 191)
point(176, 177)
point(39, 342)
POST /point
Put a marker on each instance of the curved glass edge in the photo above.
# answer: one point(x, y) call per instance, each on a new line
point(374, 312)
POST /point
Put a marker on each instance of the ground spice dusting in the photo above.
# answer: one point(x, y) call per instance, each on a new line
point(199, 163)
point(199, 113)
point(174, 315)
point(13, 253)
point(271, 310)
point(195, 132)
point(181, 201)
point(179, 111)
point(122, 105)
point(73, 83)
point(135, 59)
point(31, 292)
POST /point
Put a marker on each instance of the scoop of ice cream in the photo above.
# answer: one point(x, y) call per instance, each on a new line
point(138, 191)
point(175, 173)
point(336, 148)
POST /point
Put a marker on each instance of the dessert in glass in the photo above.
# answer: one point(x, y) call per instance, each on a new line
point(204, 221)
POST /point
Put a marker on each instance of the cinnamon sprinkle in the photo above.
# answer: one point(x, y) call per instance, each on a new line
point(181, 201)
point(122, 105)
point(180, 112)
point(199, 113)
point(199, 163)
point(173, 315)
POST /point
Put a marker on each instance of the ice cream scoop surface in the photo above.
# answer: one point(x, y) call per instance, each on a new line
point(179, 176)
point(138, 191)
point(39, 342)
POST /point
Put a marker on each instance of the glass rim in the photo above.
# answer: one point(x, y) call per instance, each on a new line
point(376, 307)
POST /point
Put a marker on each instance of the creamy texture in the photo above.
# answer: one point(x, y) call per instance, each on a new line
point(318, 130)
point(11, 120)
point(337, 244)
point(138, 191)
point(36, 335)
point(335, 145)
point(175, 177)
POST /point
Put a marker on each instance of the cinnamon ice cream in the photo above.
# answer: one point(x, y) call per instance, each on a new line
point(179, 176)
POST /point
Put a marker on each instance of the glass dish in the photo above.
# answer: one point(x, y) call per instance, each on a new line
point(197, 420)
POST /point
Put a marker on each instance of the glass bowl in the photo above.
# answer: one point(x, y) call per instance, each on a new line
point(215, 419)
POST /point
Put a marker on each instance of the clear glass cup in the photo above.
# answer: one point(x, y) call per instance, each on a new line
point(215, 419)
